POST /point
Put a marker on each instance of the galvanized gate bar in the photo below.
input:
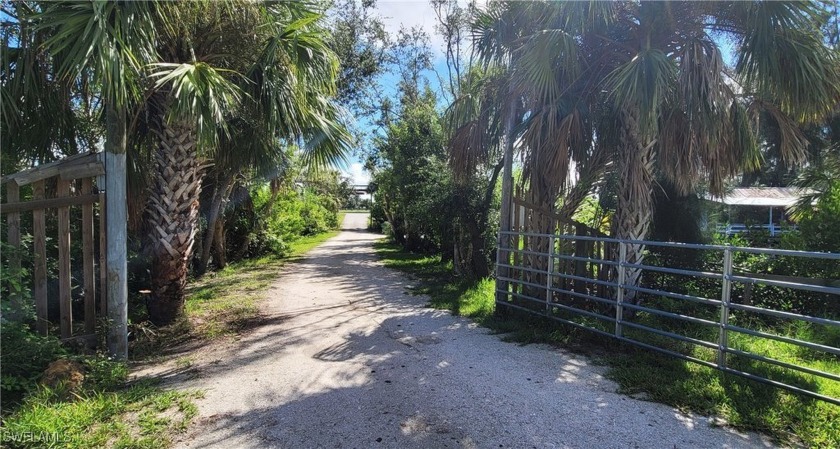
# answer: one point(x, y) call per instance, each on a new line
point(597, 279)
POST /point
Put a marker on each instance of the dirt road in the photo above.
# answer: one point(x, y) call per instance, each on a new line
point(346, 359)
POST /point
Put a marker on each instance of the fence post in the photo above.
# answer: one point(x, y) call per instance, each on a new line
point(13, 230)
point(548, 292)
point(619, 296)
point(39, 274)
point(507, 203)
point(725, 296)
point(65, 305)
point(87, 260)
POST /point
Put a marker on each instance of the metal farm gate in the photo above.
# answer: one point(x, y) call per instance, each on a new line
point(695, 303)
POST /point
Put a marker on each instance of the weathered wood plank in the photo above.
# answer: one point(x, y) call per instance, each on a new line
point(49, 170)
point(13, 234)
point(64, 281)
point(49, 203)
point(83, 171)
point(88, 256)
point(39, 275)
point(103, 274)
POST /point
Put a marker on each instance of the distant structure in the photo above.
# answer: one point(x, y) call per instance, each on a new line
point(776, 199)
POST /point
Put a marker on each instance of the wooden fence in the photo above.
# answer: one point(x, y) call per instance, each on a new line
point(59, 186)
point(527, 258)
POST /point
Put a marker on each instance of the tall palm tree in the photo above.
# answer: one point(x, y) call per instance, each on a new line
point(649, 78)
point(221, 59)
point(552, 115)
point(684, 112)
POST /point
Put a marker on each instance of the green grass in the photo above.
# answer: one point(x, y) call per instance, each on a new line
point(139, 416)
point(742, 403)
point(470, 299)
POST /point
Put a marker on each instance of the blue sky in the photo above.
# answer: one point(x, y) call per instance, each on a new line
point(407, 13)
point(410, 13)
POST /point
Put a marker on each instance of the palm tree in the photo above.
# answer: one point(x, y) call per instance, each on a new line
point(654, 73)
point(474, 127)
point(683, 112)
point(551, 113)
point(223, 59)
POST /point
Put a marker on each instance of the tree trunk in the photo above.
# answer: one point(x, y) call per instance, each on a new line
point(504, 241)
point(635, 204)
point(172, 215)
point(219, 249)
point(220, 192)
point(537, 221)
point(480, 262)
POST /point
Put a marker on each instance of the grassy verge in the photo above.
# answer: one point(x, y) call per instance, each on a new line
point(742, 403)
point(139, 416)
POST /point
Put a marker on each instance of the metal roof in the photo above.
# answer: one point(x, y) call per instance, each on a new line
point(762, 196)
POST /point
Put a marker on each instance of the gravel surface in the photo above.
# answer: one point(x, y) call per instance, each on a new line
point(345, 358)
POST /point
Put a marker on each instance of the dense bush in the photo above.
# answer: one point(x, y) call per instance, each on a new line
point(413, 184)
point(266, 221)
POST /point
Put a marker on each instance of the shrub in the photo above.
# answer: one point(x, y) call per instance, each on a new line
point(24, 358)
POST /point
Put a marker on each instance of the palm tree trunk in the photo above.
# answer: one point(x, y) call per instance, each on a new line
point(220, 192)
point(635, 203)
point(219, 248)
point(172, 218)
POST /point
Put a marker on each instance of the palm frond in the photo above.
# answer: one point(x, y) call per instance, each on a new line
point(197, 91)
point(783, 56)
point(792, 141)
point(547, 63)
point(113, 40)
point(645, 81)
point(327, 141)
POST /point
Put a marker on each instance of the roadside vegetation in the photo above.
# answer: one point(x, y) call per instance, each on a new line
point(624, 137)
point(738, 402)
point(89, 400)
point(233, 142)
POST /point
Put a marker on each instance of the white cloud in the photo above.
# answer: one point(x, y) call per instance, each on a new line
point(357, 174)
point(410, 13)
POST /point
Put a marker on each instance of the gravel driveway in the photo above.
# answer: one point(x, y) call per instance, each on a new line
point(345, 358)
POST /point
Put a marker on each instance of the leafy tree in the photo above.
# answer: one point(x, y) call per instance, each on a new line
point(359, 40)
point(413, 185)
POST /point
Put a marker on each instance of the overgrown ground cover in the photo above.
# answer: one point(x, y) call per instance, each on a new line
point(740, 402)
point(90, 405)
